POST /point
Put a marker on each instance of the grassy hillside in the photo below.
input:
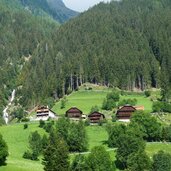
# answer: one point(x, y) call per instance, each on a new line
point(17, 140)
point(85, 99)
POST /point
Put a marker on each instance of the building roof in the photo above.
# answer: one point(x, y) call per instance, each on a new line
point(74, 110)
point(96, 114)
point(126, 108)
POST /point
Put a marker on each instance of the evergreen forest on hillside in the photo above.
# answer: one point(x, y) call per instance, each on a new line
point(121, 44)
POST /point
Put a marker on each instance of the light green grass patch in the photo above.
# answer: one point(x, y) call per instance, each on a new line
point(85, 99)
point(17, 141)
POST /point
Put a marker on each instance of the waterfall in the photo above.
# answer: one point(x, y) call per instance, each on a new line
point(5, 113)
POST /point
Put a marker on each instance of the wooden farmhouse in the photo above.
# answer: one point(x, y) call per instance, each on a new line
point(74, 113)
point(125, 112)
point(44, 113)
point(96, 117)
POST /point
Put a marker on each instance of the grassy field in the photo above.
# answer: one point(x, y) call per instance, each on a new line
point(17, 140)
point(85, 99)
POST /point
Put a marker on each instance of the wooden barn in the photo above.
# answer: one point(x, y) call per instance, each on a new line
point(74, 113)
point(44, 113)
point(96, 117)
point(125, 112)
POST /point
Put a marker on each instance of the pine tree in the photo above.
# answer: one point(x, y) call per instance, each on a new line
point(56, 155)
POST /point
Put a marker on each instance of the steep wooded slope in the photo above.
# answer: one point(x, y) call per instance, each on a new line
point(124, 44)
point(20, 35)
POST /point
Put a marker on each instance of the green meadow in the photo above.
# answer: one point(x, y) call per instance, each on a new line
point(17, 140)
point(85, 99)
point(17, 137)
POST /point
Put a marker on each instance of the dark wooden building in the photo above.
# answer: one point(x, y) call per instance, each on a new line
point(96, 117)
point(74, 113)
point(125, 112)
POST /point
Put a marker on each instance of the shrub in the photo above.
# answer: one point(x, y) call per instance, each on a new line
point(41, 123)
point(25, 126)
point(94, 109)
point(147, 93)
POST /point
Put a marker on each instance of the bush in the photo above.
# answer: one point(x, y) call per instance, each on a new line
point(27, 155)
point(41, 123)
point(69, 91)
point(63, 102)
point(94, 109)
point(87, 122)
point(25, 120)
point(3, 151)
point(147, 93)
point(132, 102)
point(25, 126)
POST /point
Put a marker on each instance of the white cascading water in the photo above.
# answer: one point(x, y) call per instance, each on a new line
point(5, 113)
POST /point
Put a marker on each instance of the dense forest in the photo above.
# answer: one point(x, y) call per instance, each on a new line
point(21, 33)
point(123, 44)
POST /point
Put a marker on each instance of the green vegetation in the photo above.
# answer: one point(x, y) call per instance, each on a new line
point(3, 151)
point(17, 140)
point(86, 99)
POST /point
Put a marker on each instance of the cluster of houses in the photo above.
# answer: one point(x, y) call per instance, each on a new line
point(123, 114)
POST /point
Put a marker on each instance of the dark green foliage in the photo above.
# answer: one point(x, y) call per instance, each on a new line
point(19, 113)
point(77, 137)
point(131, 51)
point(94, 109)
point(35, 146)
point(63, 102)
point(138, 161)
point(48, 126)
point(166, 133)
point(44, 142)
point(56, 155)
point(148, 124)
point(114, 131)
point(3, 151)
point(114, 95)
point(41, 123)
point(160, 106)
point(157, 106)
point(161, 162)
point(62, 126)
point(79, 163)
point(110, 102)
point(127, 145)
point(99, 159)
point(25, 126)
point(147, 93)
point(132, 102)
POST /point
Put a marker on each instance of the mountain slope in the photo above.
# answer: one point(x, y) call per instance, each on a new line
point(120, 44)
point(21, 34)
point(54, 8)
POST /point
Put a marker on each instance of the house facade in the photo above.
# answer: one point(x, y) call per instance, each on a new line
point(96, 117)
point(44, 113)
point(74, 113)
point(125, 112)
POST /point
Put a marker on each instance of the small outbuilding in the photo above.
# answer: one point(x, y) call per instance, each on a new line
point(44, 113)
point(74, 113)
point(124, 113)
point(96, 117)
